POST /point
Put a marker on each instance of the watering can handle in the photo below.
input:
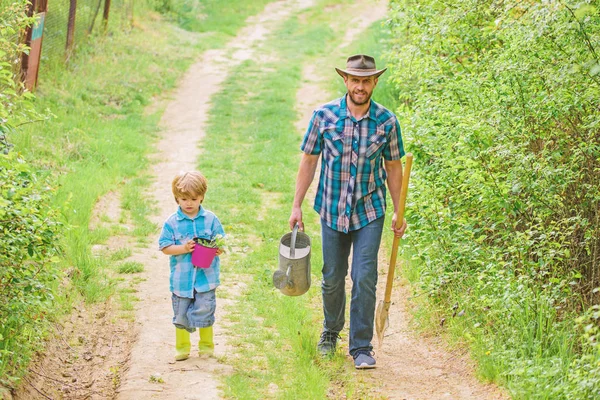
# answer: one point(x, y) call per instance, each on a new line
point(293, 241)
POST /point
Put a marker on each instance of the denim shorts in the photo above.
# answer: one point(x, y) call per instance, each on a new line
point(198, 312)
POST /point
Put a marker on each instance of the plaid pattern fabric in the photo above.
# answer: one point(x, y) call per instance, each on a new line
point(351, 190)
point(178, 229)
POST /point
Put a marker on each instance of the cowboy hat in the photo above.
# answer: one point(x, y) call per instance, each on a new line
point(360, 65)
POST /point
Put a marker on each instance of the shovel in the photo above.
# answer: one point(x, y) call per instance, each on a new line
point(383, 308)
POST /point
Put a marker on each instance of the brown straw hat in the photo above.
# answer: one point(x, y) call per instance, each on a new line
point(360, 65)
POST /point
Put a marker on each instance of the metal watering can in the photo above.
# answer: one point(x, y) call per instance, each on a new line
point(293, 276)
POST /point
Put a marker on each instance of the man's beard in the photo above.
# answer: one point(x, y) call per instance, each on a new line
point(367, 99)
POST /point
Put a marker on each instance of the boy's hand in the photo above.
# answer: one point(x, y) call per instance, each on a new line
point(219, 251)
point(189, 246)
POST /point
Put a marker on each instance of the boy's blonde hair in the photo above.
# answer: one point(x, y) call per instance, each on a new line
point(189, 184)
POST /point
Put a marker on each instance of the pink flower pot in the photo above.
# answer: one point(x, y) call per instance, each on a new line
point(202, 257)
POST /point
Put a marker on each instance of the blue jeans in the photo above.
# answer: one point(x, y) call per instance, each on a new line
point(336, 250)
point(198, 312)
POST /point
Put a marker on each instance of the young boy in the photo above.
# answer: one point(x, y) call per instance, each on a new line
point(193, 288)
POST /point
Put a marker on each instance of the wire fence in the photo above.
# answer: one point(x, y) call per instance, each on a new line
point(60, 27)
point(88, 18)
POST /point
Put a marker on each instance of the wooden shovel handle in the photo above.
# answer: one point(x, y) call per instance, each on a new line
point(399, 222)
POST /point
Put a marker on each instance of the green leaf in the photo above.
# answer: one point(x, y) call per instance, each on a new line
point(585, 9)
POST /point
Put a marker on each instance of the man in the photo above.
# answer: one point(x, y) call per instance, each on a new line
point(360, 144)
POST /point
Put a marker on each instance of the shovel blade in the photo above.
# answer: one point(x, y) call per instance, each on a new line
point(382, 320)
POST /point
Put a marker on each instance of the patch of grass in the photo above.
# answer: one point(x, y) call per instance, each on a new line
point(127, 315)
point(130, 267)
point(99, 235)
point(120, 254)
point(139, 206)
point(116, 376)
point(137, 279)
point(127, 301)
point(156, 378)
point(196, 15)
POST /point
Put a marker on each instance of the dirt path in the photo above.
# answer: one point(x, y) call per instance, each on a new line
point(152, 370)
point(409, 367)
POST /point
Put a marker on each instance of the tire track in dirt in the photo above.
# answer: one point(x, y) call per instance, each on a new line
point(408, 366)
point(151, 372)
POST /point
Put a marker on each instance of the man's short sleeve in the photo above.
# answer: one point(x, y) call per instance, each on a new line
point(167, 236)
point(395, 147)
point(312, 138)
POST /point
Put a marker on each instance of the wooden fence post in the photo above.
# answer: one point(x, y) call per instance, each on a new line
point(30, 63)
point(71, 29)
point(106, 11)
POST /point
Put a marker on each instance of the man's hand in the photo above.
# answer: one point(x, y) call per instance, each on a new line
point(296, 217)
point(398, 232)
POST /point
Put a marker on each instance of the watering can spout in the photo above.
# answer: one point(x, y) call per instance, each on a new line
point(281, 280)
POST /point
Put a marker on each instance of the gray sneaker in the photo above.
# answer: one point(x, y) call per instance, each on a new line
point(364, 360)
point(327, 343)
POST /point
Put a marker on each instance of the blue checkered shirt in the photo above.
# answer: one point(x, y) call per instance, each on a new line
point(179, 229)
point(351, 189)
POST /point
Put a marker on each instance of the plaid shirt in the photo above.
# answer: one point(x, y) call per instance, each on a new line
point(351, 189)
point(178, 229)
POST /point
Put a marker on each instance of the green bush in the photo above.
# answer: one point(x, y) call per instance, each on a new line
point(584, 373)
point(28, 260)
point(15, 105)
point(28, 225)
point(500, 106)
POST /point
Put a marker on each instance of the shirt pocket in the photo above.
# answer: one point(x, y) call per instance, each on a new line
point(205, 234)
point(181, 238)
point(376, 143)
point(333, 142)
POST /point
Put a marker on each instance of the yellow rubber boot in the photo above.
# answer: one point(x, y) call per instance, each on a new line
point(182, 344)
point(206, 345)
